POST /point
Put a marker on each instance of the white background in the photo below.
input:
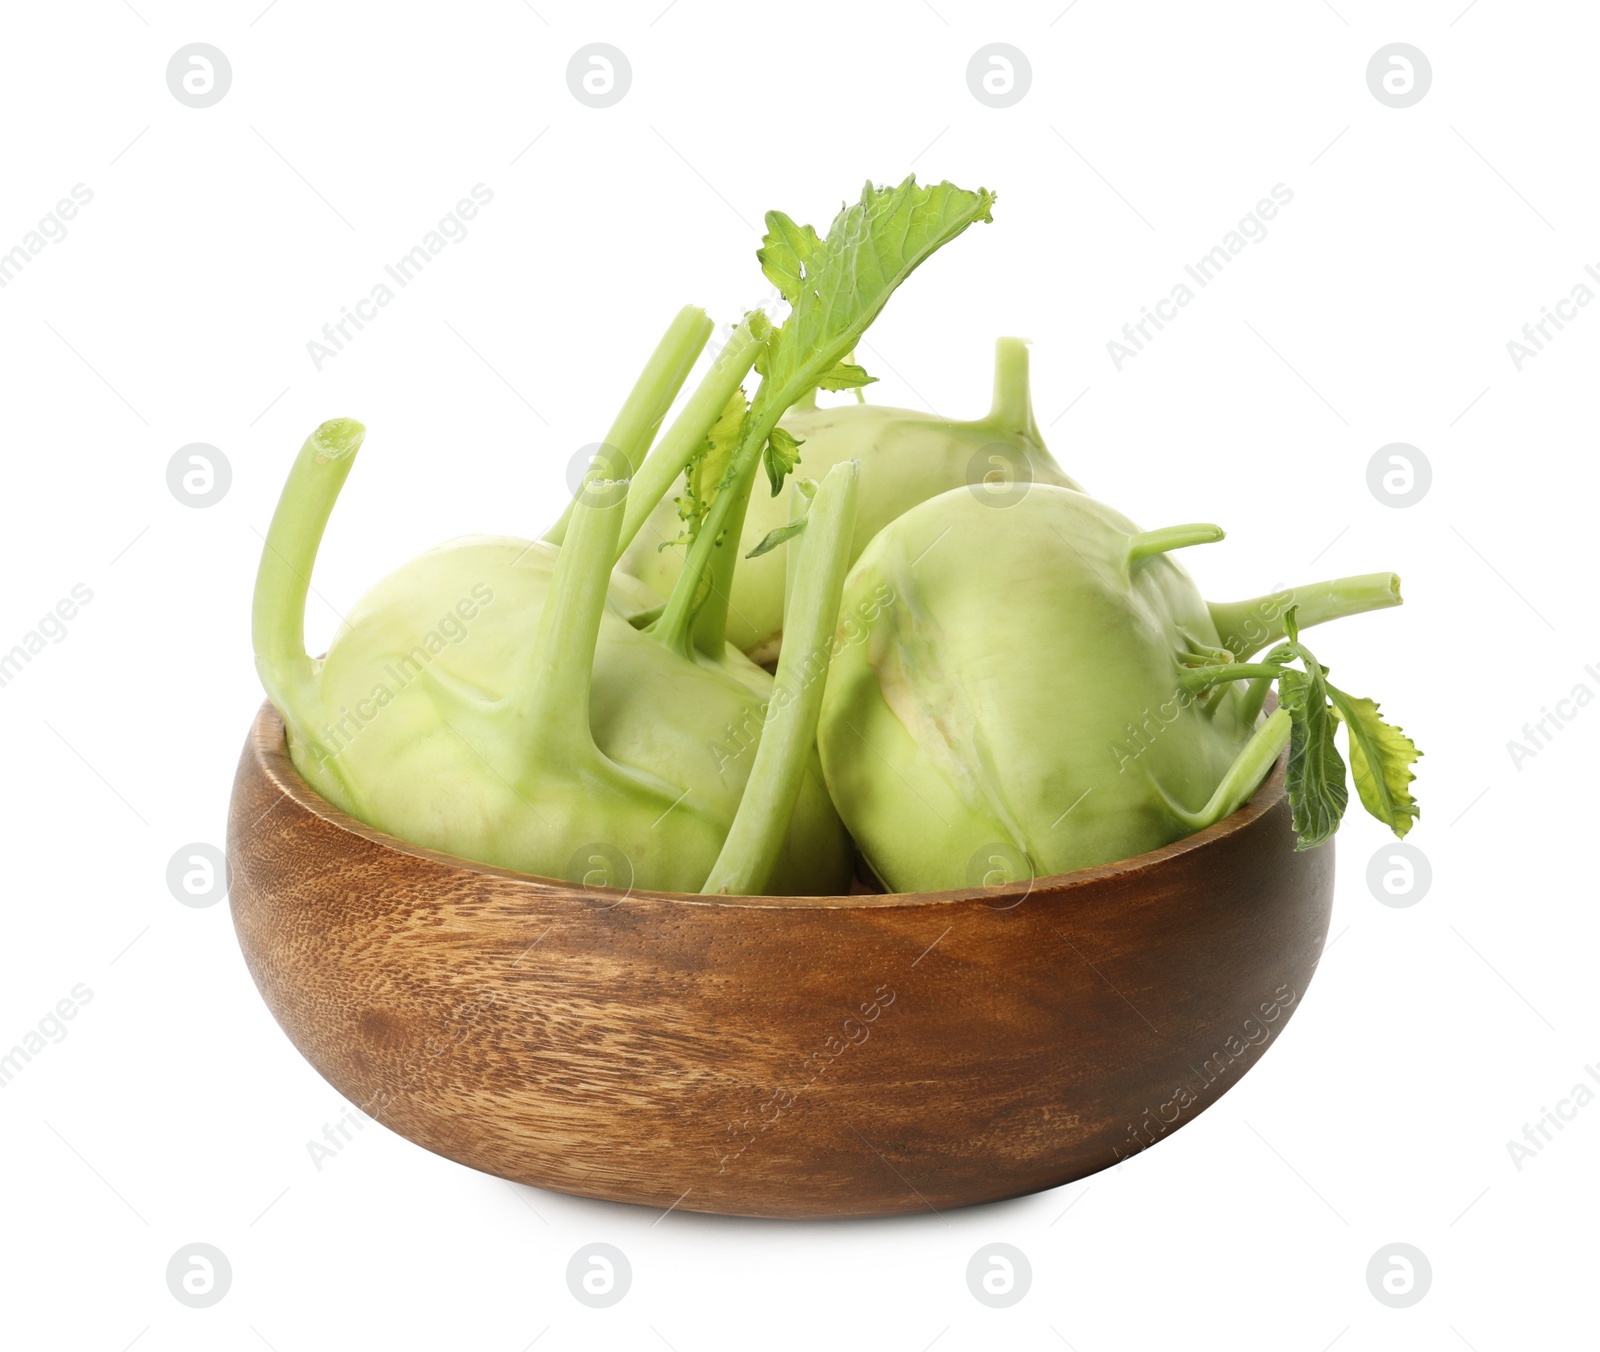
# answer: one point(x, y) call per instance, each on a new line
point(1377, 309)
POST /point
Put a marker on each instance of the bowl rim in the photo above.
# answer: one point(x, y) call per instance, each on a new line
point(268, 747)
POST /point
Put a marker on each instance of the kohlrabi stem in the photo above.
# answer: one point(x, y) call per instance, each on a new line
point(682, 626)
point(686, 437)
point(1247, 627)
point(1244, 776)
point(802, 492)
point(761, 825)
point(1012, 407)
point(1149, 543)
point(647, 403)
point(1255, 695)
point(1200, 678)
point(559, 666)
point(284, 577)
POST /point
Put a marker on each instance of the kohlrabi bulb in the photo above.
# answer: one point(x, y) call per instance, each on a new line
point(906, 457)
point(1018, 699)
point(488, 699)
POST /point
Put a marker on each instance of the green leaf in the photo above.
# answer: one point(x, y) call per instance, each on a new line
point(838, 285)
point(773, 538)
point(844, 376)
point(712, 468)
point(781, 456)
point(786, 254)
point(1317, 793)
point(1381, 757)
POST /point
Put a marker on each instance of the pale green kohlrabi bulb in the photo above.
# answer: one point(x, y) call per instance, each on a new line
point(1014, 696)
point(489, 700)
point(906, 457)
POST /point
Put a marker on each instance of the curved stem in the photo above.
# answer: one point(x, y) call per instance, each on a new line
point(278, 614)
point(1149, 543)
point(1244, 776)
point(647, 403)
point(1255, 696)
point(554, 684)
point(1199, 678)
point(761, 825)
point(1247, 627)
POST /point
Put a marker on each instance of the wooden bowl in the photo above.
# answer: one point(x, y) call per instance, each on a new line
point(771, 1056)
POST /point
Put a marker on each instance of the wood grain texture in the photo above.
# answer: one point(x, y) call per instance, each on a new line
point(782, 1057)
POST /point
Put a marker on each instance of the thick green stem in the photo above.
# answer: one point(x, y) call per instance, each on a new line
point(687, 435)
point(1244, 776)
point(710, 627)
point(756, 838)
point(802, 492)
point(1255, 696)
point(559, 667)
point(1247, 627)
point(1199, 678)
point(288, 675)
point(1147, 544)
point(647, 403)
point(1012, 407)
